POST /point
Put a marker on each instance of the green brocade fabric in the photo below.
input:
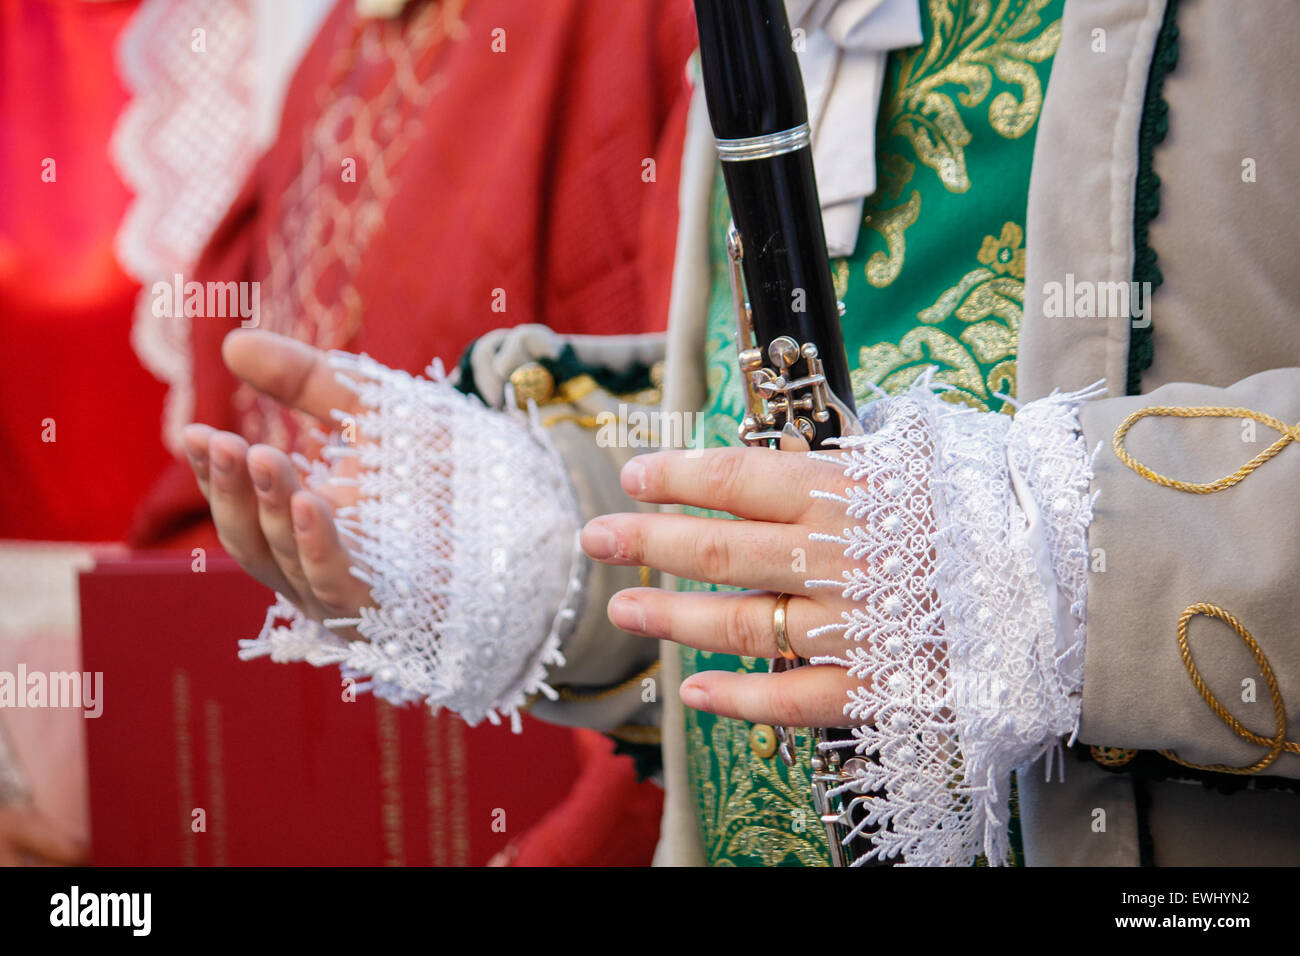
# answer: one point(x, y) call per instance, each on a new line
point(937, 279)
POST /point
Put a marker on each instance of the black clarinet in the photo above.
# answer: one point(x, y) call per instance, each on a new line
point(791, 349)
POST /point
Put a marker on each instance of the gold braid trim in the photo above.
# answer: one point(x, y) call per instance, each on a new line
point(578, 697)
point(582, 421)
point(1275, 744)
point(1278, 743)
point(1289, 434)
point(636, 734)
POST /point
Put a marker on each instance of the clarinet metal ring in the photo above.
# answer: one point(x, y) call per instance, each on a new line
point(766, 146)
point(779, 627)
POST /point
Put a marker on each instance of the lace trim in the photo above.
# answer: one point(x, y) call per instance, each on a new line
point(963, 676)
point(1047, 448)
point(453, 496)
point(184, 144)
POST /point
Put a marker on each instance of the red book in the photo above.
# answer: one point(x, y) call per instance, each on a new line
point(202, 759)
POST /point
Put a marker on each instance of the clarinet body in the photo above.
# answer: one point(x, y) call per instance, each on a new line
point(791, 349)
point(760, 118)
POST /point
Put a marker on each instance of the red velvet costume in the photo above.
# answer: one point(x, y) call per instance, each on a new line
point(65, 303)
point(503, 149)
point(522, 170)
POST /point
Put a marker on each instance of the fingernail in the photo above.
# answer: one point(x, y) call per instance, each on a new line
point(627, 614)
point(599, 542)
point(222, 459)
point(303, 515)
point(198, 459)
point(633, 478)
point(261, 476)
point(695, 697)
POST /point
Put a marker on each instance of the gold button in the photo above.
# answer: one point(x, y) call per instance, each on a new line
point(1113, 756)
point(762, 740)
point(532, 380)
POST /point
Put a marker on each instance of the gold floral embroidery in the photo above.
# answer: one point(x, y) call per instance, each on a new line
point(1002, 379)
point(972, 42)
point(895, 367)
point(990, 341)
point(892, 224)
point(989, 302)
point(760, 814)
point(840, 276)
point(1005, 254)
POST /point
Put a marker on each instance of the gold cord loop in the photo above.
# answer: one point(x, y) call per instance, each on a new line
point(1278, 743)
point(1289, 434)
point(1275, 744)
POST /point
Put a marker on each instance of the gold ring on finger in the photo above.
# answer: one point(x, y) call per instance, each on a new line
point(779, 627)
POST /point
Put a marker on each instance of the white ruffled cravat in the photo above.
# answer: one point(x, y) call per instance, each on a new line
point(842, 56)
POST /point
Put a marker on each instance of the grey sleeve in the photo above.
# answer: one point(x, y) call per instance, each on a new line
point(610, 678)
point(1159, 555)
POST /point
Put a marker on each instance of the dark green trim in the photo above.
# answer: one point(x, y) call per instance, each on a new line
point(1142, 806)
point(566, 366)
point(466, 381)
point(1146, 200)
point(647, 759)
point(1150, 765)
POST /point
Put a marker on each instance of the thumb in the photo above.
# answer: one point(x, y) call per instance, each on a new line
point(291, 372)
point(30, 832)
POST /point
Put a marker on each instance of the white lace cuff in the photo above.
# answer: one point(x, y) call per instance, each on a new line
point(466, 531)
point(969, 541)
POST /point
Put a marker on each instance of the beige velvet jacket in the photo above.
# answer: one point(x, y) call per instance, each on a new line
point(1226, 332)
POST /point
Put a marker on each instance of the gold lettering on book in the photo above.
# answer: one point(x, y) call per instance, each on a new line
point(435, 790)
point(390, 783)
point(184, 764)
point(460, 793)
point(216, 805)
